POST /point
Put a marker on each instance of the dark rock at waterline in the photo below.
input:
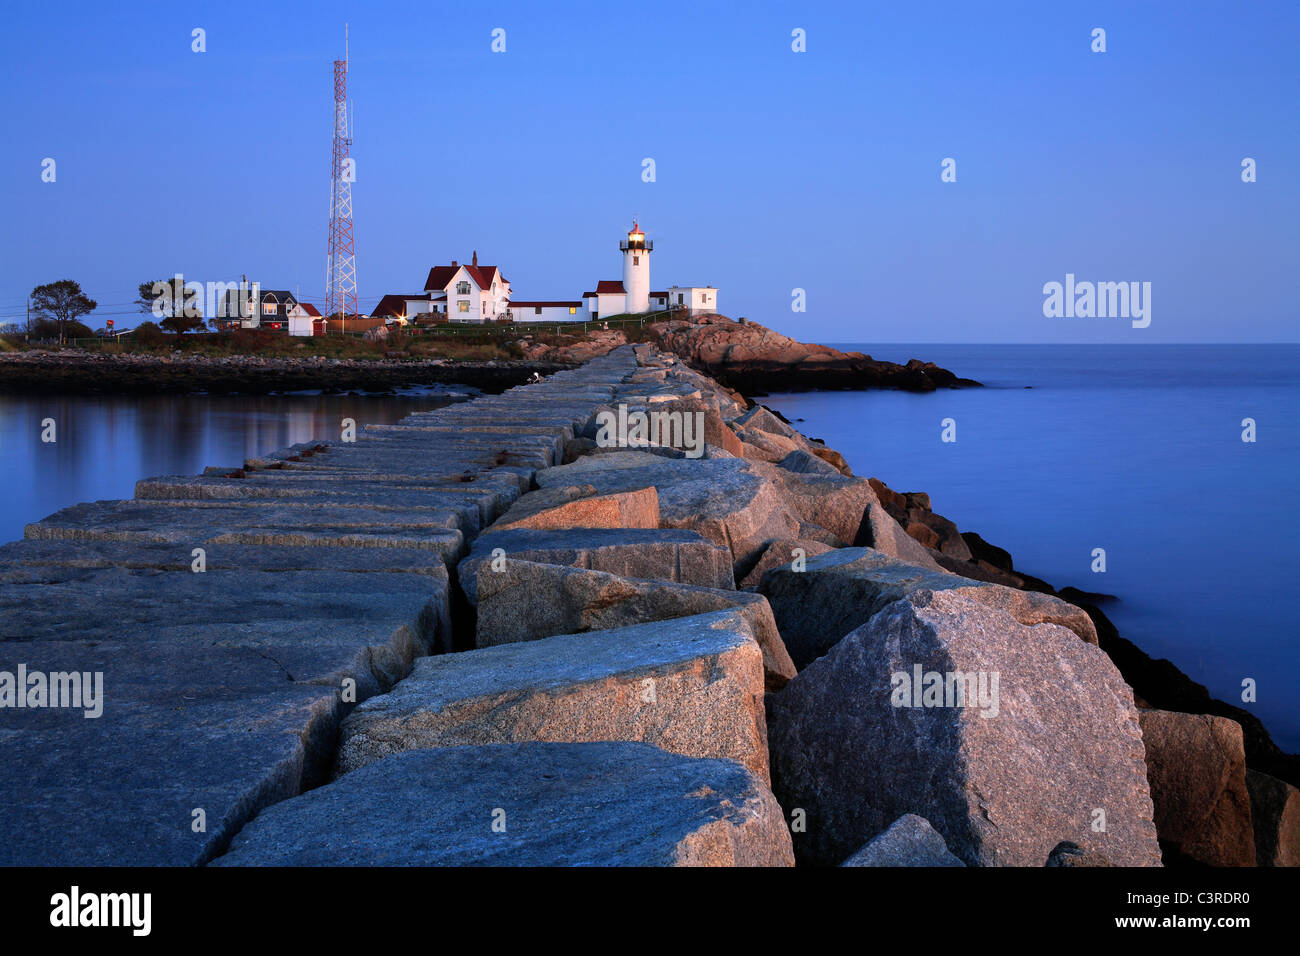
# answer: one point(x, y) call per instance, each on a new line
point(1162, 685)
point(1197, 770)
point(981, 550)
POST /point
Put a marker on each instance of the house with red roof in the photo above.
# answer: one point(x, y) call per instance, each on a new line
point(468, 292)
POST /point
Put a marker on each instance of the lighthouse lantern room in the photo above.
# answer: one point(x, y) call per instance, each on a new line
point(636, 269)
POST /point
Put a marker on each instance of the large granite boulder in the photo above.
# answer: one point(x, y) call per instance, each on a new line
point(836, 503)
point(666, 554)
point(881, 532)
point(530, 804)
point(691, 685)
point(724, 499)
point(1197, 767)
point(580, 507)
point(841, 590)
point(781, 553)
point(1275, 813)
point(527, 601)
point(1047, 737)
point(910, 841)
point(220, 692)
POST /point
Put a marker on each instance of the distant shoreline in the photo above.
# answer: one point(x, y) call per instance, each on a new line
point(69, 372)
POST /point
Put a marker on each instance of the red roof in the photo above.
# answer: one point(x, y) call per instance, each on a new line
point(440, 276)
point(606, 286)
point(395, 304)
point(309, 309)
point(533, 305)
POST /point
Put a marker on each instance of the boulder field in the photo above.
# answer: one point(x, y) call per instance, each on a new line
point(509, 632)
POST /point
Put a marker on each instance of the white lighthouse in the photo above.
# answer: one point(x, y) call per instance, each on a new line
point(636, 269)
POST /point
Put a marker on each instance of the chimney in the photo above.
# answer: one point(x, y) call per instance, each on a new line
point(475, 262)
point(453, 263)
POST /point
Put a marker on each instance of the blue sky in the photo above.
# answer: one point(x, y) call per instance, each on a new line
point(775, 170)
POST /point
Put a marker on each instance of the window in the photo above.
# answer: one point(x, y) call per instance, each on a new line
point(636, 260)
point(573, 310)
point(268, 308)
point(537, 310)
point(462, 305)
point(680, 298)
point(462, 288)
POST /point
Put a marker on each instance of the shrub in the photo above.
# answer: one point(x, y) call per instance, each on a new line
point(148, 333)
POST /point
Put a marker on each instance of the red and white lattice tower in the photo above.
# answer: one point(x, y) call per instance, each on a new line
point(341, 269)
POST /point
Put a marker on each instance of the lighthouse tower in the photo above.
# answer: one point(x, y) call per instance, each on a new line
point(636, 269)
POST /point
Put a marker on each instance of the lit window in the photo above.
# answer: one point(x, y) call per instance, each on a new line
point(573, 310)
point(268, 308)
point(462, 305)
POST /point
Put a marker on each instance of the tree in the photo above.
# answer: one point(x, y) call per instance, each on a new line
point(164, 303)
point(61, 302)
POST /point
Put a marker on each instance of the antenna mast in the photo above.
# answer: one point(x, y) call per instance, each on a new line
point(341, 269)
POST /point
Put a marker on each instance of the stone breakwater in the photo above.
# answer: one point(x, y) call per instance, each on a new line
point(72, 371)
point(479, 636)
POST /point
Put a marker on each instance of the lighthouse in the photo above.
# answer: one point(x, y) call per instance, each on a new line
point(636, 269)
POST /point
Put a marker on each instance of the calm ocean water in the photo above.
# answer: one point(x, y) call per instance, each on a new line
point(1134, 449)
point(106, 443)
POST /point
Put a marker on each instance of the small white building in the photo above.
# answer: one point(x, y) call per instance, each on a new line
point(610, 298)
point(304, 319)
point(696, 299)
point(548, 311)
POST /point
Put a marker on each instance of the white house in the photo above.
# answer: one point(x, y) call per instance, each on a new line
point(468, 292)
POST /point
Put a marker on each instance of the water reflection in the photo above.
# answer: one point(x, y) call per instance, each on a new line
point(104, 444)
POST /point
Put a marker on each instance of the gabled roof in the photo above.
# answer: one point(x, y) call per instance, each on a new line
point(610, 286)
point(483, 275)
point(440, 276)
point(309, 309)
point(395, 303)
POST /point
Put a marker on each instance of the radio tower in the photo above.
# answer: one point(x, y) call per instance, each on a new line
point(341, 267)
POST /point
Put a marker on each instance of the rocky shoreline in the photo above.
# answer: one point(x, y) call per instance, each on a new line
point(507, 632)
point(76, 372)
point(742, 355)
